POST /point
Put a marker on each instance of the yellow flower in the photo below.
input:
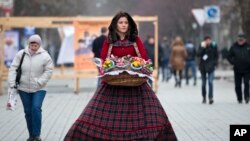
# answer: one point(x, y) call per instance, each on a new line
point(107, 62)
point(136, 63)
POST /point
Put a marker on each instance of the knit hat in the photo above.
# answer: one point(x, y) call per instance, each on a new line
point(242, 36)
point(35, 38)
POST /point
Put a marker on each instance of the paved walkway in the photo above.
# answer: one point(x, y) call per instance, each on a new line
point(191, 120)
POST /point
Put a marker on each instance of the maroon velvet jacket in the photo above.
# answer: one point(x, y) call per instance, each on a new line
point(123, 48)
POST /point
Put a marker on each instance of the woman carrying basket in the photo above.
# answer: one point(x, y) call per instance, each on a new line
point(121, 112)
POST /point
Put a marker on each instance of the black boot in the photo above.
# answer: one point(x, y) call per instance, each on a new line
point(247, 100)
point(240, 101)
point(204, 101)
point(37, 139)
point(179, 84)
point(211, 101)
point(176, 84)
point(30, 139)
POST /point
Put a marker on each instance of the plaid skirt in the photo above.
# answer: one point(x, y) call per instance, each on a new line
point(118, 113)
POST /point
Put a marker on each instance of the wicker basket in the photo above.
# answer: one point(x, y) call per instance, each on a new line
point(124, 79)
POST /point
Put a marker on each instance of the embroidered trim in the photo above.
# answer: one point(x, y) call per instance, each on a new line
point(125, 43)
point(117, 72)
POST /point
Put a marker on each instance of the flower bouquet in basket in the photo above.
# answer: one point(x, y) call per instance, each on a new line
point(121, 63)
point(126, 70)
point(108, 65)
point(136, 63)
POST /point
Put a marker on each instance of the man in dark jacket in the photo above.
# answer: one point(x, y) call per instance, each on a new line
point(97, 46)
point(239, 57)
point(208, 57)
point(150, 49)
point(98, 42)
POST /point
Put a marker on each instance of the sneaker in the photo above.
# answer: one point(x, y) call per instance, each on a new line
point(211, 101)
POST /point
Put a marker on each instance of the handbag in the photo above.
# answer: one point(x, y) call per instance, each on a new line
point(19, 72)
point(12, 100)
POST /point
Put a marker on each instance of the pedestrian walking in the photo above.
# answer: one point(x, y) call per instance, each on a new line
point(208, 60)
point(177, 59)
point(150, 49)
point(239, 57)
point(190, 62)
point(166, 72)
point(37, 68)
point(98, 42)
point(97, 46)
point(120, 112)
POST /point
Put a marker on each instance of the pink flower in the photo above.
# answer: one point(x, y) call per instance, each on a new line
point(101, 71)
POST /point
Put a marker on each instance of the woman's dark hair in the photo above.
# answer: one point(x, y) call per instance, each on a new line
point(207, 37)
point(132, 28)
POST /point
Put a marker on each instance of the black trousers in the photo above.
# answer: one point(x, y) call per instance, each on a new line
point(177, 72)
point(238, 76)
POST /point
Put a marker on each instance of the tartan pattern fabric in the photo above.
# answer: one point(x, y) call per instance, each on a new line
point(119, 113)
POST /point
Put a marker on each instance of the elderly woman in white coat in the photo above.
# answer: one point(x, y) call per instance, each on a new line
point(37, 68)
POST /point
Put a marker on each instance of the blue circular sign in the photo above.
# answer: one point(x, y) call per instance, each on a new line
point(212, 12)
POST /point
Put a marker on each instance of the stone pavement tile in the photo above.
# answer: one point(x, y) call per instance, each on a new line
point(59, 113)
point(202, 121)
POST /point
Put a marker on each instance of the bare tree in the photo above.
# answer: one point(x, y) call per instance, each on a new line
point(245, 12)
point(175, 17)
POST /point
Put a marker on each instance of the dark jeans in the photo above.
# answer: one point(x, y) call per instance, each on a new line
point(32, 103)
point(210, 84)
point(190, 64)
point(238, 81)
point(166, 72)
point(178, 79)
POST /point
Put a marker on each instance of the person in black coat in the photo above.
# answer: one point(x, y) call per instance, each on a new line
point(239, 57)
point(150, 49)
point(97, 46)
point(208, 59)
point(98, 42)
